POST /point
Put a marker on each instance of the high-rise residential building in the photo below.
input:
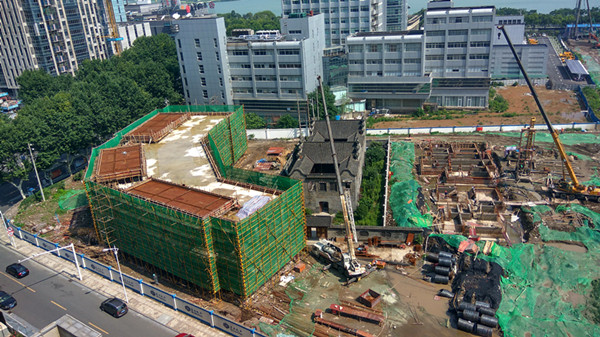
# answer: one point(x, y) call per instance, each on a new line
point(16, 48)
point(449, 63)
point(268, 72)
point(65, 33)
point(119, 10)
point(345, 17)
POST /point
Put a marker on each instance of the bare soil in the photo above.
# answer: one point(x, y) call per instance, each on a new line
point(257, 149)
point(560, 106)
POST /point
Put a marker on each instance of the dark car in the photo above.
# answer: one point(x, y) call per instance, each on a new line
point(114, 307)
point(17, 270)
point(7, 302)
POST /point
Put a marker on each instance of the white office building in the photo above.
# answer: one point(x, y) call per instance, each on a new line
point(345, 17)
point(449, 63)
point(269, 72)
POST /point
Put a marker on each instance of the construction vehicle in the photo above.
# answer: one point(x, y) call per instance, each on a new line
point(564, 188)
point(567, 55)
point(331, 254)
point(353, 268)
point(594, 37)
point(532, 41)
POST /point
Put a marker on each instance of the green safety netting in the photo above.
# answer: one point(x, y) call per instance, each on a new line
point(565, 138)
point(73, 199)
point(537, 211)
point(545, 288)
point(592, 66)
point(579, 155)
point(404, 188)
point(594, 180)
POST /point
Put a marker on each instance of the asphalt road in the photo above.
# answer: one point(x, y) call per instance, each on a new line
point(44, 296)
point(557, 71)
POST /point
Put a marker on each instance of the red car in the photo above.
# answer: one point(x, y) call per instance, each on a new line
point(184, 335)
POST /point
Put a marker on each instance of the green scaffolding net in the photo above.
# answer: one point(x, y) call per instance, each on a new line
point(72, 199)
point(405, 192)
point(546, 287)
point(565, 138)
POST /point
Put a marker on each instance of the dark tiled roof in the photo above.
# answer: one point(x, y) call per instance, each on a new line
point(347, 130)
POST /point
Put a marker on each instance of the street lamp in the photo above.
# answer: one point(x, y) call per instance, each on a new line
point(116, 251)
point(36, 172)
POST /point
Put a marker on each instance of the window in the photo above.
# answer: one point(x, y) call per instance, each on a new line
point(324, 206)
point(220, 81)
point(181, 56)
point(434, 45)
point(186, 81)
point(323, 187)
point(456, 57)
point(203, 81)
point(222, 95)
point(199, 56)
point(197, 42)
point(179, 42)
point(486, 18)
point(373, 61)
point(391, 47)
point(458, 19)
point(219, 69)
point(289, 52)
point(434, 57)
point(216, 44)
point(374, 48)
point(289, 65)
point(393, 61)
point(457, 44)
point(412, 61)
point(217, 54)
point(183, 68)
point(201, 69)
point(481, 31)
point(355, 48)
point(436, 21)
point(295, 32)
point(260, 52)
point(435, 33)
point(458, 32)
point(479, 57)
point(239, 52)
point(333, 187)
point(412, 47)
point(204, 93)
point(480, 43)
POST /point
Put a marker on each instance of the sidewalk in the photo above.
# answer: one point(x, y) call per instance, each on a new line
point(146, 306)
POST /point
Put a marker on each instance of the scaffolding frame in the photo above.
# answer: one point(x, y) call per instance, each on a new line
point(215, 253)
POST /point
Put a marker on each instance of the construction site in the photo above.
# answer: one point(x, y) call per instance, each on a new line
point(165, 192)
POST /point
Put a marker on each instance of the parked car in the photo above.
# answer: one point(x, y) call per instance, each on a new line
point(114, 307)
point(7, 302)
point(17, 270)
point(184, 335)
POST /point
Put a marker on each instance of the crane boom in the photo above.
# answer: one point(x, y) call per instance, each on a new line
point(114, 31)
point(345, 203)
point(559, 145)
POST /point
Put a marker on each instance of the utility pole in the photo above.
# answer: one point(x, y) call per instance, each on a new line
point(116, 251)
point(36, 172)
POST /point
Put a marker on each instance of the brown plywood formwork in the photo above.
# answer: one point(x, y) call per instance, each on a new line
point(125, 162)
point(156, 128)
point(185, 199)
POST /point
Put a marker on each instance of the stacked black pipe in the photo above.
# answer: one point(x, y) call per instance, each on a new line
point(477, 318)
point(441, 266)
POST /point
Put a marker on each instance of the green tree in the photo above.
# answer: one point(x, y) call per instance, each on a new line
point(332, 110)
point(264, 20)
point(254, 121)
point(370, 205)
point(286, 121)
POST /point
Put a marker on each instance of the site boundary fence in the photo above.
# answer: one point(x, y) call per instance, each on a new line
point(293, 133)
point(207, 317)
point(589, 113)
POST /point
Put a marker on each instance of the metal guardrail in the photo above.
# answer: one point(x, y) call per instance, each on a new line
point(207, 317)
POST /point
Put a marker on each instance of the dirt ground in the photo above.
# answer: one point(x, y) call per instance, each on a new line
point(257, 149)
point(586, 47)
point(560, 106)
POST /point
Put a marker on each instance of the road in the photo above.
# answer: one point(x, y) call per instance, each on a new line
point(45, 296)
point(557, 71)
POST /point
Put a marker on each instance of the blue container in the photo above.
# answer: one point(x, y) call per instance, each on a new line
point(338, 117)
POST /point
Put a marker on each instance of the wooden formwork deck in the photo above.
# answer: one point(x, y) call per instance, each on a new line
point(124, 162)
point(192, 201)
point(156, 127)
